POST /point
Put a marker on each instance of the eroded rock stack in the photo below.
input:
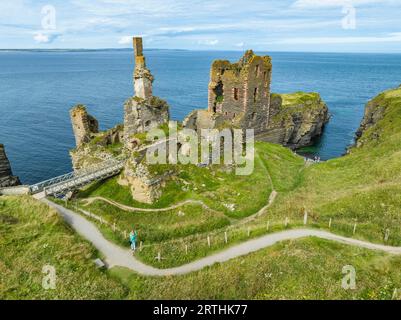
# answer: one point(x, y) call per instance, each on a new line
point(6, 176)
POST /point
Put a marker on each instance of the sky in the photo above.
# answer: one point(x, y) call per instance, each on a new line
point(263, 25)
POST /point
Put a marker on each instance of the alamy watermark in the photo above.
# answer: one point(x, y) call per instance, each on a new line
point(231, 147)
point(50, 277)
point(48, 25)
point(349, 280)
point(349, 20)
point(48, 17)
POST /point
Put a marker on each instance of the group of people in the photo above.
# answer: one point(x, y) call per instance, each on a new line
point(315, 159)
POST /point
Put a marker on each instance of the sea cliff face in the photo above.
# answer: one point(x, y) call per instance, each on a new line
point(295, 119)
point(6, 176)
point(370, 130)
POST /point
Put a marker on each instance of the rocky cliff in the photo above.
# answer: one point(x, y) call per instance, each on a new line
point(375, 110)
point(6, 176)
point(295, 119)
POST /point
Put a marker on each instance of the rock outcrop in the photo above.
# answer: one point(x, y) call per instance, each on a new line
point(295, 119)
point(7, 179)
point(375, 110)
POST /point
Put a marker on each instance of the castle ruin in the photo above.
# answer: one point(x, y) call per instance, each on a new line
point(239, 95)
point(240, 92)
point(144, 111)
point(83, 124)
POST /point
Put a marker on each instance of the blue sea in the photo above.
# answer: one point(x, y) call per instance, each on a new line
point(37, 89)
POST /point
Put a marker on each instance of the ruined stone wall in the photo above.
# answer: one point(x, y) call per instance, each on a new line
point(83, 124)
point(6, 176)
point(240, 91)
point(143, 115)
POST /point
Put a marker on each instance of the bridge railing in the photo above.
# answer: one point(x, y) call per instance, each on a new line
point(42, 186)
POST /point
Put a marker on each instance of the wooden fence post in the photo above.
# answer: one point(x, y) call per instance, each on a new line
point(387, 235)
point(286, 222)
point(208, 241)
point(354, 228)
point(249, 232)
point(267, 225)
point(306, 218)
point(186, 249)
point(140, 246)
point(225, 237)
point(330, 223)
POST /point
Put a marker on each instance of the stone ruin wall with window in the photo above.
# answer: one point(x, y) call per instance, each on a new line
point(240, 92)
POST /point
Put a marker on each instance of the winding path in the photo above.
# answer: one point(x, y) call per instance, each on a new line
point(88, 201)
point(117, 256)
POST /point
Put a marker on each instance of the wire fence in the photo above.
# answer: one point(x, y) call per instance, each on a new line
point(218, 239)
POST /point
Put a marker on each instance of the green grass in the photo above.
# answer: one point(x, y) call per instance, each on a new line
point(31, 236)
point(304, 269)
point(360, 188)
point(218, 187)
point(160, 226)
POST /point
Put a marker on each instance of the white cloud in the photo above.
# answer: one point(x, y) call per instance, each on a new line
point(315, 4)
point(41, 38)
point(208, 42)
point(125, 40)
point(240, 44)
point(391, 37)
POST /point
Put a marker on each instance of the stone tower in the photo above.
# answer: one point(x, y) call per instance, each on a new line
point(143, 111)
point(240, 92)
point(83, 124)
point(143, 79)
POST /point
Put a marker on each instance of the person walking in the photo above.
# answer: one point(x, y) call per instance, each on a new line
point(133, 237)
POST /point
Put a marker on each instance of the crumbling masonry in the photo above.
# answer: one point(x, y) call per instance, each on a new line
point(143, 112)
point(83, 124)
point(240, 92)
point(239, 95)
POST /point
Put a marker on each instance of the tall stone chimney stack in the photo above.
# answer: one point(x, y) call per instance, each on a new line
point(143, 79)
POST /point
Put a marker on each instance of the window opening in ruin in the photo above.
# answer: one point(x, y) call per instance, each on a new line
point(147, 123)
point(236, 91)
point(255, 94)
point(218, 90)
point(265, 75)
point(257, 70)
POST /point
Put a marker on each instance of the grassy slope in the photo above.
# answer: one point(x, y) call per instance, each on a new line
point(32, 236)
point(362, 186)
point(359, 188)
point(306, 269)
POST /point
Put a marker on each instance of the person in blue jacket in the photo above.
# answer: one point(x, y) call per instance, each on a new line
point(133, 237)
